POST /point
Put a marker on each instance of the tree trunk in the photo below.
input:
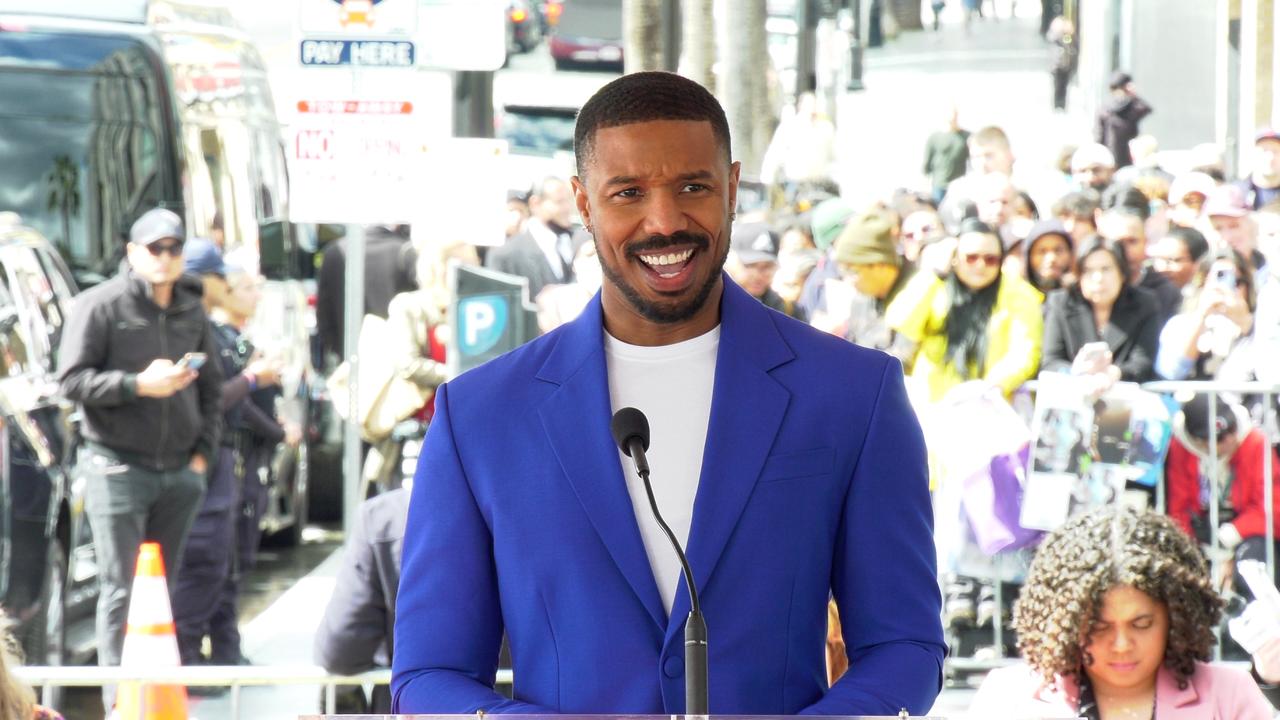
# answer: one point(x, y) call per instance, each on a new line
point(699, 42)
point(907, 13)
point(744, 89)
point(642, 35)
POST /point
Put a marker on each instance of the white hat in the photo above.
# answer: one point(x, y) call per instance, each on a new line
point(1190, 182)
point(1092, 155)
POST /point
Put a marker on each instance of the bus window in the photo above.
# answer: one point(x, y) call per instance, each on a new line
point(82, 150)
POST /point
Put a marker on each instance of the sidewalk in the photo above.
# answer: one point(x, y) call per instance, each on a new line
point(998, 74)
point(282, 634)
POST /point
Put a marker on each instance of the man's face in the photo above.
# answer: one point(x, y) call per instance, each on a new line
point(994, 199)
point(159, 263)
point(1171, 259)
point(215, 291)
point(1050, 257)
point(755, 278)
point(1080, 227)
point(1237, 232)
point(1187, 211)
point(874, 280)
point(554, 205)
point(1266, 159)
point(1129, 233)
point(1097, 177)
point(919, 229)
point(243, 293)
point(991, 158)
point(657, 197)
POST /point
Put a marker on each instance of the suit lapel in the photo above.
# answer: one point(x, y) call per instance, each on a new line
point(747, 409)
point(576, 420)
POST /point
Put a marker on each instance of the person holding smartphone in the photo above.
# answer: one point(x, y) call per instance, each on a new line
point(151, 422)
point(1213, 336)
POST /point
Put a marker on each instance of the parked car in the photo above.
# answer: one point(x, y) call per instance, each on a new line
point(588, 33)
point(48, 578)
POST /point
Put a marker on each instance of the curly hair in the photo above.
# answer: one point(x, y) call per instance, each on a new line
point(1078, 563)
point(16, 699)
point(645, 97)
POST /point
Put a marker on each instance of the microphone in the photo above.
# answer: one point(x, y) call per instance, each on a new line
point(631, 432)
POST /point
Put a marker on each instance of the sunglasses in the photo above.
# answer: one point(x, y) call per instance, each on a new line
point(990, 260)
point(173, 249)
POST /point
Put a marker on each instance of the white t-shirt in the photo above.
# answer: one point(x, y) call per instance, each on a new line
point(672, 386)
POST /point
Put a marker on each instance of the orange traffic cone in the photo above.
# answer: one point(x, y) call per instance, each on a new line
point(150, 641)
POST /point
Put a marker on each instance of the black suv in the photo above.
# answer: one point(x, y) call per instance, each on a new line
point(47, 572)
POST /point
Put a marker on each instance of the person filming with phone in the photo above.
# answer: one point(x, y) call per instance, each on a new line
point(151, 420)
point(1212, 338)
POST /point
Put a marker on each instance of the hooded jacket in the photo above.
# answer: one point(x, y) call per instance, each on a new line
point(1039, 230)
point(1243, 471)
point(113, 333)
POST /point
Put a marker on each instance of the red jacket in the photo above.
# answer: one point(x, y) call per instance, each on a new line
point(1183, 472)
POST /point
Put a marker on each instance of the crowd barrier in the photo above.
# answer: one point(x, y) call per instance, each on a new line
point(1179, 388)
point(233, 676)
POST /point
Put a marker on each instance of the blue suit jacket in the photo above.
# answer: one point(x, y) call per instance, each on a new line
point(813, 482)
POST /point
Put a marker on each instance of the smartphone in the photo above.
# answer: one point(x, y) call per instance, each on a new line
point(1225, 277)
point(193, 360)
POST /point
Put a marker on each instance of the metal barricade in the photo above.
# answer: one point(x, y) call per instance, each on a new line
point(1214, 389)
point(232, 676)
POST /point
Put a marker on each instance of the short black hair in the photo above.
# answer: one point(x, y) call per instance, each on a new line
point(646, 97)
point(1082, 203)
point(1192, 239)
point(1097, 243)
point(1127, 199)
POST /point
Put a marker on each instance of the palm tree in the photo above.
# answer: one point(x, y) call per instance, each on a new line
point(64, 195)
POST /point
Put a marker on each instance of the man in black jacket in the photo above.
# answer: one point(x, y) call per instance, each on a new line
point(1117, 121)
point(133, 356)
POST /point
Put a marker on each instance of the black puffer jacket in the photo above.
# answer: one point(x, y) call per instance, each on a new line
point(113, 333)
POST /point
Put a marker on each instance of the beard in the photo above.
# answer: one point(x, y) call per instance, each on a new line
point(675, 311)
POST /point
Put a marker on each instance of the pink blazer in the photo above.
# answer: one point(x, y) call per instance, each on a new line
point(1214, 693)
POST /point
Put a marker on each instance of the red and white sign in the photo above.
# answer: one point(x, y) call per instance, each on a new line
point(354, 161)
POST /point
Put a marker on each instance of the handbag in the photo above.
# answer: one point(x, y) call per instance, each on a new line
point(385, 398)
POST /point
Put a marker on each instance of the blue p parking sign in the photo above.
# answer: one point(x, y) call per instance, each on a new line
point(481, 322)
point(490, 316)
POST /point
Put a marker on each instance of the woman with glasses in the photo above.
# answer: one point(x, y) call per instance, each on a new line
point(977, 323)
point(1102, 327)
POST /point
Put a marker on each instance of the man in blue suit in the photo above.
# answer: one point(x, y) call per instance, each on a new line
point(788, 461)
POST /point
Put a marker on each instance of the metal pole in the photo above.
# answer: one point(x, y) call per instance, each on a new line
point(352, 318)
point(855, 48)
point(806, 48)
point(1216, 554)
point(997, 619)
point(1268, 492)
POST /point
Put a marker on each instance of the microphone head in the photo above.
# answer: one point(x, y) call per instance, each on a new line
point(629, 423)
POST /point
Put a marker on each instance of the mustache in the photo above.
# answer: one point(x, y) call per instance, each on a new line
point(662, 242)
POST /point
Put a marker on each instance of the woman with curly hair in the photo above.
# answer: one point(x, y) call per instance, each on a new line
point(1116, 621)
point(17, 701)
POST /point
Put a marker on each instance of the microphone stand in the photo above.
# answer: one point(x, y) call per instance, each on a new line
point(695, 628)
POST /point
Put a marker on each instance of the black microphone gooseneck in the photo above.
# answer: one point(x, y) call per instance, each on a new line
point(631, 432)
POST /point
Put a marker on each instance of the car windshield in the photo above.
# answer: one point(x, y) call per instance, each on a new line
point(537, 131)
point(80, 152)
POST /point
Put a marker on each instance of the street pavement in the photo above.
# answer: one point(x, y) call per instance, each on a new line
point(997, 74)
